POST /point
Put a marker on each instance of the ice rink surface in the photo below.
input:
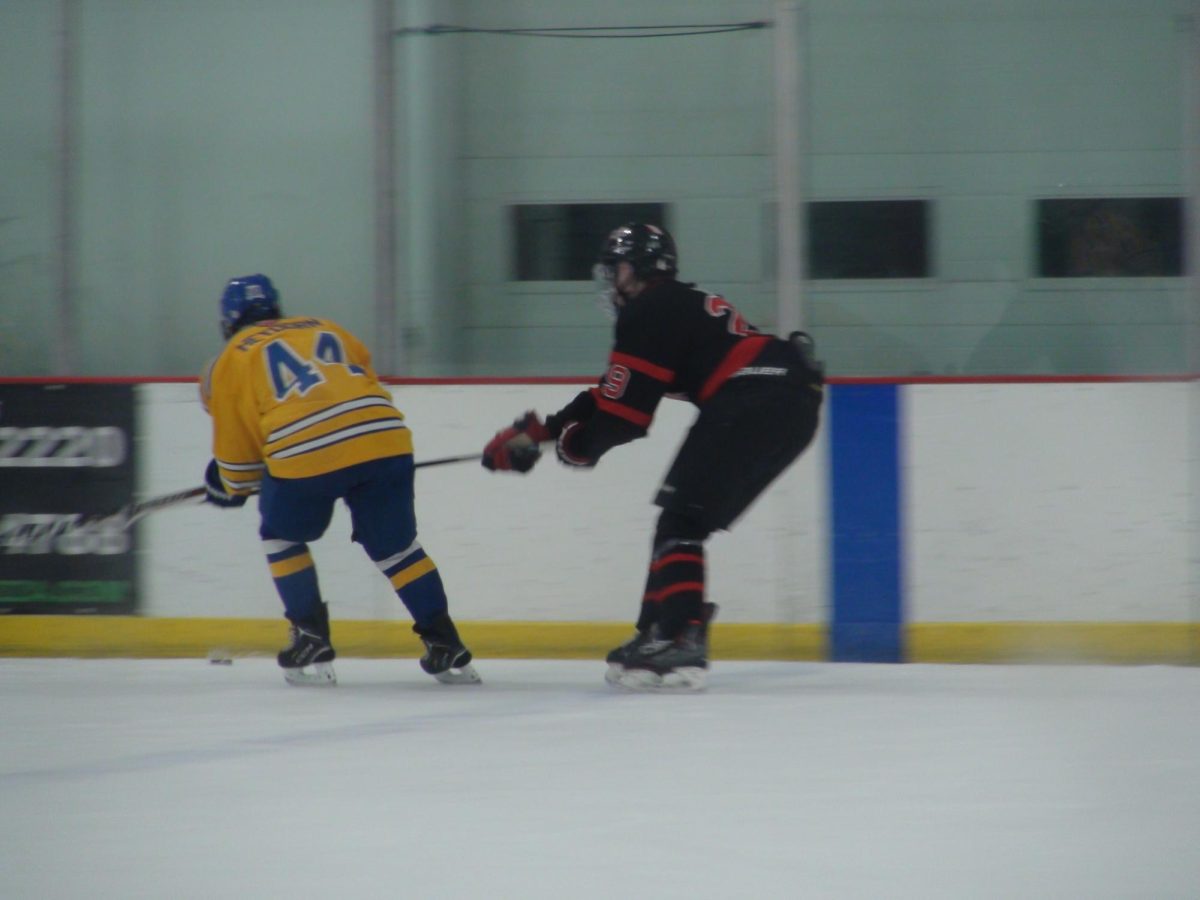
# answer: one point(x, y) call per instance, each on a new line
point(181, 779)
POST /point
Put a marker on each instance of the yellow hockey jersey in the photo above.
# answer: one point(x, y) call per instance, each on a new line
point(297, 397)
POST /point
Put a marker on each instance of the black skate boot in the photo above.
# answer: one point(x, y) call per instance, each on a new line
point(656, 664)
point(446, 659)
point(618, 656)
point(307, 660)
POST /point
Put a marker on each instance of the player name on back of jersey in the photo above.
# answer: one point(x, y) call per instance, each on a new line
point(265, 332)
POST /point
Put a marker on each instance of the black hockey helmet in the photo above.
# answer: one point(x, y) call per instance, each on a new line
point(649, 248)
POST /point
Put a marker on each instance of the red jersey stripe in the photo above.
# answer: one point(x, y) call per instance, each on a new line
point(658, 373)
point(621, 411)
point(742, 354)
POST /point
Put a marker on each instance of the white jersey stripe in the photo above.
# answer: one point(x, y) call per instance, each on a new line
point(254, 485)
point(326, 414)
point(241, 467)
point(335, 437)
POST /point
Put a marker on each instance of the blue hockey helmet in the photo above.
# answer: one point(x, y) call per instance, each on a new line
point(246, 300)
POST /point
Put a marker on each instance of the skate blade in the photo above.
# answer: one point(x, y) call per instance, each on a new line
point(677, 681)
point(614, 674)
point(315, 675)
point(459, 675)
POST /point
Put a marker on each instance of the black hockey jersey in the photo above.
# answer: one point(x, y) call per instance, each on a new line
point(671, 340)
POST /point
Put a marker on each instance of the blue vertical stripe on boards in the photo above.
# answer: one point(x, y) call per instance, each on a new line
point(866, 624)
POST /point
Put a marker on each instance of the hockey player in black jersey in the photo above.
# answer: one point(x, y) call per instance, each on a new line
point(759, 399)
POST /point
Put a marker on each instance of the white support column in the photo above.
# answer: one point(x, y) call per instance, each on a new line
point(433, 70)
point(66, 345)
point(384, 345)
point(1190, 73)
point(790, 119)
point(1191, 159)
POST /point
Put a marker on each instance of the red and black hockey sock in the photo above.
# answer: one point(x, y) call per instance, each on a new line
point(648, 614)
point(675, 587)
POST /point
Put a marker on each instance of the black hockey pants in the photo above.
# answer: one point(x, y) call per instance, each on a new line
point(743, 439)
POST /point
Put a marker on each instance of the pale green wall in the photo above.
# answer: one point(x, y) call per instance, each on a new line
point(220, 138)
point(983, 107)
point(216, 139)
point(27, 136)
point(977, 106)
point(684, 120)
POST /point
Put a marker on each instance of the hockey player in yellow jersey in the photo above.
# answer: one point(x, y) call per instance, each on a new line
point(300, 419)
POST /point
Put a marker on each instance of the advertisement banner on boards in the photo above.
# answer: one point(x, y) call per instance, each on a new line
point(66, 454)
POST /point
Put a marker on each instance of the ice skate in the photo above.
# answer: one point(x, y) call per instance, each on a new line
point(655, 664)
point(308, 660)
point(446, 659)
point(618, 656)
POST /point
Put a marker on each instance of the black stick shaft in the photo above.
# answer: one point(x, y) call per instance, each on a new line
point(445, 460)
point(135, 511)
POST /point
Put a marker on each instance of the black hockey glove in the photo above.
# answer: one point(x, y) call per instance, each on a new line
point(516, 448)
point(215, 492)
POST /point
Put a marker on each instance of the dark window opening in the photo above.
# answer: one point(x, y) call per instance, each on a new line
point(1125, 237)
point(560, 241)
point(868, 239)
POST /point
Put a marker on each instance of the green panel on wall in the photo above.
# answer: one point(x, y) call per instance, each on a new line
point(220, 139)
point(28, 219)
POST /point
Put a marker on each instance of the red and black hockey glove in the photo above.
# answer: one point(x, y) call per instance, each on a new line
point(517, 448)
point(566, 453)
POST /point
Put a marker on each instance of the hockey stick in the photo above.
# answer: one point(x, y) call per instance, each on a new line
point(447, 459)
point(131, 512)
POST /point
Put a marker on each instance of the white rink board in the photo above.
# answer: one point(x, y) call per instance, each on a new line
point(557, 544)
point(1022, 502)
point(1049, 502)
